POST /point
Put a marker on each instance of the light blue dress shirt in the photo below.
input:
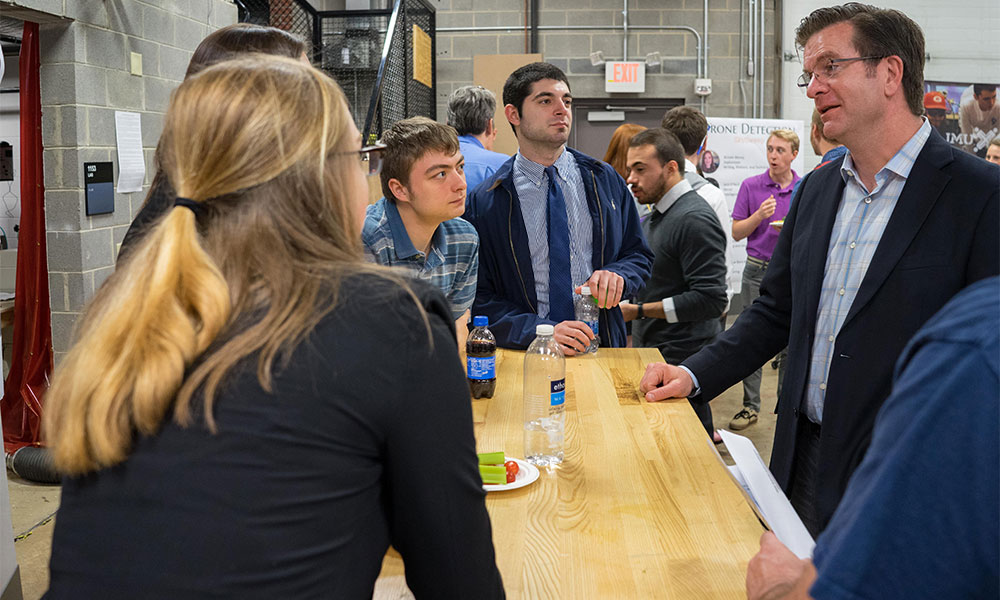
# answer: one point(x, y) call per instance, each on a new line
point(857, 231)
point(480, 163)
point(532, 185)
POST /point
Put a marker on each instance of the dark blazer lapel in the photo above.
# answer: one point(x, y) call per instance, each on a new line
point(922, 190)
point(829, 190)
point(517, 233)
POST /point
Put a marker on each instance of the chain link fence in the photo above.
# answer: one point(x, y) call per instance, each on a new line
point(383, 82)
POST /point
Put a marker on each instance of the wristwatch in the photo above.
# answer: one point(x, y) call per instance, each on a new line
point(638, 311)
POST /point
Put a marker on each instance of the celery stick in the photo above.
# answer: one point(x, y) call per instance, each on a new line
point(493, 474)
point(491, 458)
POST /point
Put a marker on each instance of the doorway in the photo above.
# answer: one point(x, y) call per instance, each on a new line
point(595, 119)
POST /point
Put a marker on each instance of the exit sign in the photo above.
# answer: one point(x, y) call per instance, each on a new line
point(625, 77)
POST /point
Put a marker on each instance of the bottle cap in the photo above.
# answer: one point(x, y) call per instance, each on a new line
point(544, 329)
point(480, 321)
point(585, 290)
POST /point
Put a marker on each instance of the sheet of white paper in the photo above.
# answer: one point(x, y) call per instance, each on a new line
point(131, 164)
point(738, 476)
point(766, 492)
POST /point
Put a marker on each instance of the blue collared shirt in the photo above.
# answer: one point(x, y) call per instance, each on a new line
point(532, 185)
point(451, 265)
point(480, 163)
point(857, 230)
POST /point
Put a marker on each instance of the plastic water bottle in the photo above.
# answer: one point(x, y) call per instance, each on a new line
point(544, 398)
point(587, 311)
point(481, 351)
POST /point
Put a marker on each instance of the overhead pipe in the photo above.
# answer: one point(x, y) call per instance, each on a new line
point(757, 59)
point(625, 31)
point(534, 25)
point(742, 66)
point(701, 49)
point(763, 54)
point(704, 69)
point(509, 29)
point(753, 58)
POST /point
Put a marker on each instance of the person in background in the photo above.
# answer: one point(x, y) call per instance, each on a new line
point(223, 44)
point(979, 118)
point(470, 112)
point(829, 151)
point(417, 225)
point(618, 152)
point(761, 200)
point(936, 110)
point(678, 309)
point(932, 463)
point(860, 264)
point(268, 402)
point(691, 128)
point(554, 220)
point(993, 151)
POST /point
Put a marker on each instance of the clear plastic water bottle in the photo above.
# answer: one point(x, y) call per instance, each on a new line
point(544, 398)
point(587, 311)
point(480, 351)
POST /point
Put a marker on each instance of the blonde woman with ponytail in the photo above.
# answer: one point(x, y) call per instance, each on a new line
point(250, 410)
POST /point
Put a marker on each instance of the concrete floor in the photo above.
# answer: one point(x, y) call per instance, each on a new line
point(33, 506)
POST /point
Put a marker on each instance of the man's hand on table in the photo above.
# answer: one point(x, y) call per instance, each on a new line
point(573, 337)
point(775, 572)
point(606, 287)
point(662, 381)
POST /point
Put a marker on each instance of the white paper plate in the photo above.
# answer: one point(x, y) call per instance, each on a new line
point(527, 473)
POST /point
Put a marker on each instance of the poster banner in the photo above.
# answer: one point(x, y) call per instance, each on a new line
point(736, 149)
point(966, 115)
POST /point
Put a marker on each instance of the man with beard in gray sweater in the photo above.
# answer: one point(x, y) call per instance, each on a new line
point(678, 310)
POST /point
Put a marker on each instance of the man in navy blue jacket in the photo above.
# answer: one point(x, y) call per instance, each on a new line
point(546, 200)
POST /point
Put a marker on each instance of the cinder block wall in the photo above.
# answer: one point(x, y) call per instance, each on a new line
point(85, 56)
point(570, 50)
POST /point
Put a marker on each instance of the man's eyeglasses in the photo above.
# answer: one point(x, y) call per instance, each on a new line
point(370, 157)
point(829, 70)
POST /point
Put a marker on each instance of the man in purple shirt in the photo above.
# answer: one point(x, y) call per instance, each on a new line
point(762, 200)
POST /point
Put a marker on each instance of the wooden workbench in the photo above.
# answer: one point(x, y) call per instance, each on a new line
point(640, 508)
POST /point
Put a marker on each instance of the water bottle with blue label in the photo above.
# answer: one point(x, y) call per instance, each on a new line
point(481, 352)
point(587, 311)
point(544, 399)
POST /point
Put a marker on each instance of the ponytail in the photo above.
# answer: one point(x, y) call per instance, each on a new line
point(153, 317)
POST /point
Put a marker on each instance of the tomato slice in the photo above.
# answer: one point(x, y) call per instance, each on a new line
point(512, 469)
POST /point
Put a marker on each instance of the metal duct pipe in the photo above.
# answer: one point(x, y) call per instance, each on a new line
point(743, 66)
point(697, 36)
point(752, 55)
point(701, 50)
point(757, 59)
point(625, 30)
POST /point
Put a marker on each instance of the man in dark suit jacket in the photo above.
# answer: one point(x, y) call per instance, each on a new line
point(869, 251)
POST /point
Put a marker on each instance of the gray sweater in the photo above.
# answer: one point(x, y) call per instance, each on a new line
point(689, 265)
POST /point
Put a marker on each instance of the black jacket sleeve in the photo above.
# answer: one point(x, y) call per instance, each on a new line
point(703, 263)
point(437, 511)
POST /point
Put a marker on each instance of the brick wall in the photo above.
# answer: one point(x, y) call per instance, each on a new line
point(570, 50)
point(85, 47)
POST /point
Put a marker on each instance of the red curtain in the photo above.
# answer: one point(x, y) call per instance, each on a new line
point(31, 356)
